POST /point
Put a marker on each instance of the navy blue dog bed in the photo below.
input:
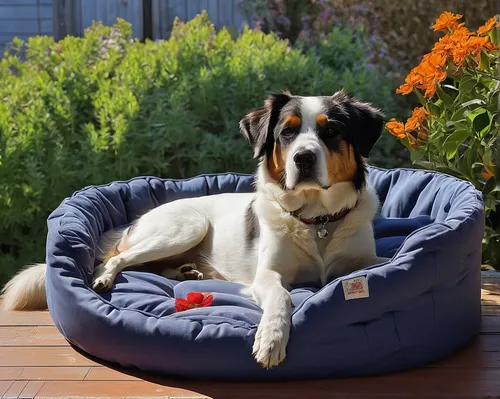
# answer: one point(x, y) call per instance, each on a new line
point(423, 304)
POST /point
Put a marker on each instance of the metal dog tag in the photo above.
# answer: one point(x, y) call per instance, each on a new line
point(322, 232)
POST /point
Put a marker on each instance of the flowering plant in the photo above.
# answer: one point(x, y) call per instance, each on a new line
point(457, 130)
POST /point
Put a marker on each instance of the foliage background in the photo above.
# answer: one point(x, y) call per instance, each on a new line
point(106, 107)
point(399, 31)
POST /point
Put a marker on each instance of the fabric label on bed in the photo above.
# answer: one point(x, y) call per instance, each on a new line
point(355, 288)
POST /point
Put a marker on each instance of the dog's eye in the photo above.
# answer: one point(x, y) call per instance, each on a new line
point(331, 130)
point(288, 131)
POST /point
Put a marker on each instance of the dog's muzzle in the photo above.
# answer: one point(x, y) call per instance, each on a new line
point(305, 161)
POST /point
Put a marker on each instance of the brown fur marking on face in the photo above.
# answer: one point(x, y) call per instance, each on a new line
point(292, 121)
point(321, 120)
point(276, 164)
point(341, 164)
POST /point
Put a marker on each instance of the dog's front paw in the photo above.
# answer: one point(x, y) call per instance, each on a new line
point(269, 348)
point(103, 279)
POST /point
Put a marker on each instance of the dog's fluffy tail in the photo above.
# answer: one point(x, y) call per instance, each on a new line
point(26, 290)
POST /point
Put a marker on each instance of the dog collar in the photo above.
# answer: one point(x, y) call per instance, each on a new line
point(323, 220)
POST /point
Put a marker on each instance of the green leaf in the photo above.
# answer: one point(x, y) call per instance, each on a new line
point(454, 141)
point(434, 110)
point(450, 87)
point(417, 155)
point(484, 64)
point(467, 85)
point(477, 101)
point(447, 100)
point(495, 36)
point(487, 157)
point(481, 120)
point(489, 186)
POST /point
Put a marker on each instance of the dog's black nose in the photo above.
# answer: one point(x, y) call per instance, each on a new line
point(304, 159)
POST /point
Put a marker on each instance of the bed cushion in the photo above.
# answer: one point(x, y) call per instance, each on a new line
point(423, 304)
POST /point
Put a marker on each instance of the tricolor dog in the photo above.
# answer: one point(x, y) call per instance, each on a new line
point(309, 220)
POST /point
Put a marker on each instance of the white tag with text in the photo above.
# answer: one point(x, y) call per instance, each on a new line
point(355, 288)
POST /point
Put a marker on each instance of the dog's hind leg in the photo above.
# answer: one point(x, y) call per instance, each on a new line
point(151, 240)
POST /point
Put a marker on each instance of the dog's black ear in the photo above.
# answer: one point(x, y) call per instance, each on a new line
point(365, 123)
point(258, 125)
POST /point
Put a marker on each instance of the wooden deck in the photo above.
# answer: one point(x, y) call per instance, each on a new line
point(36, 362)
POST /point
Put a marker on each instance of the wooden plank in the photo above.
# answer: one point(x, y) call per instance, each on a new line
point(114, 389)
point(225, 13)
point(239, 18)
point(107, 374)
point(167, 18)
point(22, 12)
point(10, 373)
point(213, 12)
point(88, 13)
point(42, 356)
point(112, 12)
point(4, 385)
point(147, 19)
point(421, 383)
point(490, 291)
point(193, 8)
point(491, 310)
point(204, 5)
point(31, 336)
point(31, 389)
point(45, 26)
point(17, 2)
point(490, 325)
point(53, 373)
point(26, 319)
point(74, 15)
point(133, 13)
point(59, 27)
point(156, 25)
point(178, 9)
point(15, 390)
point(10, 335)
point(100, 10)
point(23, 27)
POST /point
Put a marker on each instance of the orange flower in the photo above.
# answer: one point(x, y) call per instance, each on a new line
point(447, 20)
point(415, 125)
point(459, 55)
point(404, 89)
point(420, 113)
point(491, 46)
point(431, 89)
point(488, 26)
point(411, 124)
point(487, 174)
point(435, 59)
point(396, 128)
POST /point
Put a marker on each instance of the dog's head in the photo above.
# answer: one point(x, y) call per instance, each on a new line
point(313, 142)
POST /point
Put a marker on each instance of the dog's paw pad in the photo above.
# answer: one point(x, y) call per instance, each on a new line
point(271, 339)
point(187, 267)
point(193, 275)
point(103, 283)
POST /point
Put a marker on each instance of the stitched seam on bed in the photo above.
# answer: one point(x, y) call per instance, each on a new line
point(397, 331)
point(368, 342)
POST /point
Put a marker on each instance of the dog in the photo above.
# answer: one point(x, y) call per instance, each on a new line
point(309, 219)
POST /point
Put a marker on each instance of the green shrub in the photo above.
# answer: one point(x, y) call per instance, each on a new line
point(105, 107)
